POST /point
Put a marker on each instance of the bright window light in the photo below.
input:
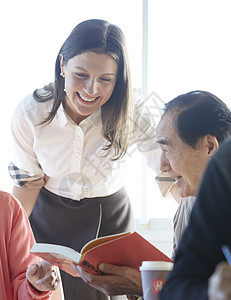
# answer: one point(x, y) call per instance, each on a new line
point(188, 48)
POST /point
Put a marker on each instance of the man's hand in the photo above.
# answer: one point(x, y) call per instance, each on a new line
point(219, 287)
point(43, 276)
point(116, 280)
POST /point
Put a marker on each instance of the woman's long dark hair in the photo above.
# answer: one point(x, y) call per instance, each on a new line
point(101, 37)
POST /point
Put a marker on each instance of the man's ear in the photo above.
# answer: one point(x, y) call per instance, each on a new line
point(212, 144)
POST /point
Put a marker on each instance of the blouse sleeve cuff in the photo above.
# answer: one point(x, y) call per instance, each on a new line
point(36, 294)
point(23, 179)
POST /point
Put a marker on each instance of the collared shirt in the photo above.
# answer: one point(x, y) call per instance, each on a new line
point(181, 220)
point(68, 159)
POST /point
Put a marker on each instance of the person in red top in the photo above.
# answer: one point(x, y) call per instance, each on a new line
point(22, 275)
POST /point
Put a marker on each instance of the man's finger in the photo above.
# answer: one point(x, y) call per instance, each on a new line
point(110, 269)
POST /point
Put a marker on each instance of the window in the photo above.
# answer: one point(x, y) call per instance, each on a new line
point(188, 48)
point(33, 33)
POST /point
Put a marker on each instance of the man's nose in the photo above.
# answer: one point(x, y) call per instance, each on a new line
point(164, 163)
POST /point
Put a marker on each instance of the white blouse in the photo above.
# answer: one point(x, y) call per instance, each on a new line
point(68, 159)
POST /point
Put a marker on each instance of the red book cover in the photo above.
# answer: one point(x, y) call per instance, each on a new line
point(125, 249)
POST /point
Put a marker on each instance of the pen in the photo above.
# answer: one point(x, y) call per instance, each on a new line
point(226, 249)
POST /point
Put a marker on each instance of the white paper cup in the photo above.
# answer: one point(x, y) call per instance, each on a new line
point(153, 275)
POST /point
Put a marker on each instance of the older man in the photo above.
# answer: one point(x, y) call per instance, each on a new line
point(200, 271)
point(189, 133)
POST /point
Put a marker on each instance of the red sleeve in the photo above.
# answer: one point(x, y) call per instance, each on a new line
point(26, 291)
point(19, 242)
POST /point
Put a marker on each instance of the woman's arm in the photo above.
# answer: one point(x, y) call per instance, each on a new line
point(27, 197)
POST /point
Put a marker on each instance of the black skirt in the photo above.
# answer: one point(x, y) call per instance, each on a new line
point(72, 223)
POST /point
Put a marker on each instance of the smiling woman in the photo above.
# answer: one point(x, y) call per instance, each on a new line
point(69, 141)
point(90, 79)
point(37, 50)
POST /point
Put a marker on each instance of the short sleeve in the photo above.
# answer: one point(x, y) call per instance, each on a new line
point(24, 168)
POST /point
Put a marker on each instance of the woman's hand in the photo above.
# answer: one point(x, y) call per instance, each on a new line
point(116, 280)
point(43, 276)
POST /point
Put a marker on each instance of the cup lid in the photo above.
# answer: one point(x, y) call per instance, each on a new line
point(156, 265)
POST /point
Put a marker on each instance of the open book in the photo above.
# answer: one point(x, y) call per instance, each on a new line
point(124, 249)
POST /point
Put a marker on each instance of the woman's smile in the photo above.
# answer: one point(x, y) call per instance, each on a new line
point(87, 99)
point(89, 83)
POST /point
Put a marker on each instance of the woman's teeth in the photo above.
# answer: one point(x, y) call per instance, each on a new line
point(87, 99)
